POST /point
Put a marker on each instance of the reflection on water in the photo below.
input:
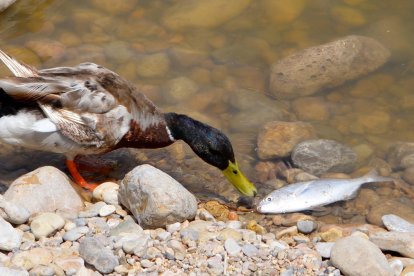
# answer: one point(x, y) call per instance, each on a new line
point(213, 63)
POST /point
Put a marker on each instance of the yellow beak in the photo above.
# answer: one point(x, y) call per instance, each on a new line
point(236, 177)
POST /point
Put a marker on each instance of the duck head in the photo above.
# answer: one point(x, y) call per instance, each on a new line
point(211, 145)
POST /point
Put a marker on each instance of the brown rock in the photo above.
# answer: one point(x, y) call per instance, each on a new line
point(326, 66)
point(277, 139)
point(391, 206)
point(331, 235)
point(311, 109)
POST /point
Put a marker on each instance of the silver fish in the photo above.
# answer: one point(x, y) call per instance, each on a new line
point(312, 194)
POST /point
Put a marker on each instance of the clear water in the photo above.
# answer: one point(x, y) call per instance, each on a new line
point(230, 65)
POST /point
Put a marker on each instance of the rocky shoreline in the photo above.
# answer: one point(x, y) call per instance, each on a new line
point(53, 233)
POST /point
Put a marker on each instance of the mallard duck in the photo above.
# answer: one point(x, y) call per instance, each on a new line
point(88, 109)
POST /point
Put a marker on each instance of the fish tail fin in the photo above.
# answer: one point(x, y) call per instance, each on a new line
point(373, 176)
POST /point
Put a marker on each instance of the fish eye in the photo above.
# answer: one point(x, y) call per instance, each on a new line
point(269, 198)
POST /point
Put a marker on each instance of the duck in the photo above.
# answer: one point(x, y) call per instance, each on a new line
point(89, 109)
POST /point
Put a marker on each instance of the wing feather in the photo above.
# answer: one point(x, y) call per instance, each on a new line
point(18, 69)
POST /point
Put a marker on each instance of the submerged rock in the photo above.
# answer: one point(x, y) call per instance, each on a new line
point(155, 198)
point(4, 4)
point(325, 66)
point(46, 189)
point(277, 139)
point(202, 14)
point(358, 256)
point(320, 156)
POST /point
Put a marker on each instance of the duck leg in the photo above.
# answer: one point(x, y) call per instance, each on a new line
point(77, 177)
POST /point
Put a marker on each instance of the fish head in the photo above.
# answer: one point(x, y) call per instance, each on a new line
point(276, 202)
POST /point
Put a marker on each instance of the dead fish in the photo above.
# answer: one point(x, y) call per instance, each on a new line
point(312, 194)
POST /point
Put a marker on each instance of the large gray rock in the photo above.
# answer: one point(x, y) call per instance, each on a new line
point(46, 189)
point(94, 253)
point(10, 238)
point(311, 70)
point(357, 256)
point(320, 156)
point(400, 242)
point(155, 198)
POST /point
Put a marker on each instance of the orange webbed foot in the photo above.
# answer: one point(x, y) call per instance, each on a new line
point(78, 178)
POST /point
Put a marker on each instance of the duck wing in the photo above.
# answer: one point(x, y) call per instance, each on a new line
point(72, 98)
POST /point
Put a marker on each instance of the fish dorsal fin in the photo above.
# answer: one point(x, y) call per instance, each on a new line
point(17, 68)
point(301, 188)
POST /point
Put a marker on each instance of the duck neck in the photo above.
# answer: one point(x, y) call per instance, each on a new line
point(182, 127)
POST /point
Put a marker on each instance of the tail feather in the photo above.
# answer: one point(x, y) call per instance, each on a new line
point(18, 69)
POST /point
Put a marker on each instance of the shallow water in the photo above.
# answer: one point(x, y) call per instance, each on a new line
point(225, 67)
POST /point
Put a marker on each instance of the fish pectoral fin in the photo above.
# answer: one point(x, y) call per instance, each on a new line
point(319, 209)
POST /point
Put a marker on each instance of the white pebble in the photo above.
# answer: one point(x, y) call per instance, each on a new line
point(106, 210)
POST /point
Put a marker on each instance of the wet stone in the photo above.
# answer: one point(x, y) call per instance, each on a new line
point(321, 156)
point(306, 226)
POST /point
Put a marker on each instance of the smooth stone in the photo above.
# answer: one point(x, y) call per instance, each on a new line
point(107, 210)
point(358, 256)
point(92, 210)
point(277, 139)
point(10, 238)
point(95, 254)
point(155, 198)
point(232, 247)
point(321, 156)
point(397, 224)
point(12, 212)
point(400, 242)
point(324, 249)
point(306, 226)
point(46, 224)
point(174, 227)
point(46, 189)
point(136, 244)
point(397, 266)
point(75, 233)
point(108, 192)
point(249, 250)
point(5, 271)
point(401, 155)
point(203, 214)
point(153, 65)
point(128, 226)
point(325, 66)
point(194, 14)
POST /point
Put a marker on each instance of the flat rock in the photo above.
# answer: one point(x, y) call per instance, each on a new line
point(324, 248)
point(400, 242)
point(94, 253)
point(155, 198)
point(321, 156)
point(277, 139)
point(46, 189)
point(325, 66)
point(128, 226)
point(205, 14)
point(10, 238)
point(75, 233)
point(397, 224)
point(358, 256)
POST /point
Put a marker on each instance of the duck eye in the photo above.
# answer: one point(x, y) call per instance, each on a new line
point(235, 171)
